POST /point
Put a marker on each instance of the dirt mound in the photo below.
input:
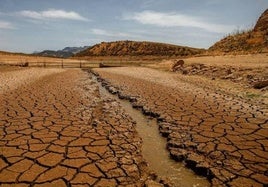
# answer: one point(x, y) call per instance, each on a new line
point(241, 42)
point(133, 48)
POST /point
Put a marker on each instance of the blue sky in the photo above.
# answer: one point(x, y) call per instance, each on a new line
point(35, 25)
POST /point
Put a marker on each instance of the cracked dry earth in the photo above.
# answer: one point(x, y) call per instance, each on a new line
point(56, 130)
point(218, 136)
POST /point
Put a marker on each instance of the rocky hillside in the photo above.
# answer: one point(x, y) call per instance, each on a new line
point(253, 41)
point(133, 48)
point(262, 23)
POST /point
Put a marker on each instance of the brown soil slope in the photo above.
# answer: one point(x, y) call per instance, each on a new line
point(133, 48)
point(253, 41)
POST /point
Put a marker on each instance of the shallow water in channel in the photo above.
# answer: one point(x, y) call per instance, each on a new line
point(154, 149)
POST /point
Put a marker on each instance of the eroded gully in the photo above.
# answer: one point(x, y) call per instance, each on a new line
point(154, 148)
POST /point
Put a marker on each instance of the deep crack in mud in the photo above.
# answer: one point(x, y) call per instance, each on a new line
point(154, 148)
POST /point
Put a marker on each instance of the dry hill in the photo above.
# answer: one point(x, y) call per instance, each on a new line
point(13, 53)
point(133, 48)
point(253, 41)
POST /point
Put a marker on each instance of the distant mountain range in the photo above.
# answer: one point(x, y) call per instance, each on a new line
point(64, 53)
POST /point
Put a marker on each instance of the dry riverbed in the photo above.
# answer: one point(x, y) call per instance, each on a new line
point(57, 130)
point(217, 134)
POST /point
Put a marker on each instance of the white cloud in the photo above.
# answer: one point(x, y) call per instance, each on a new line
point(52, 14)
point(6, 25)
point(100, 32)
point(110, 33)
point(176, 20)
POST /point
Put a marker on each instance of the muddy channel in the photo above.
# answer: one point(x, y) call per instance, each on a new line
point(154, 148)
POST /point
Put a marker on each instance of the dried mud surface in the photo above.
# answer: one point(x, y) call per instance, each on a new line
point(217, 135)
point(56, 130)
